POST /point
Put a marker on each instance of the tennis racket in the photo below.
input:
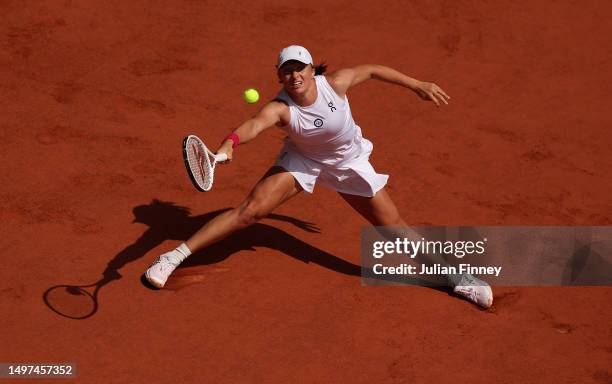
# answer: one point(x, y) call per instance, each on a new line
point(200, 162)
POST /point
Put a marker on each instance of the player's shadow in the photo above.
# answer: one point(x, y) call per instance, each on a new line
point(168, 221)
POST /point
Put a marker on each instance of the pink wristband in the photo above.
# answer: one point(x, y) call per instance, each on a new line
point(234, 138)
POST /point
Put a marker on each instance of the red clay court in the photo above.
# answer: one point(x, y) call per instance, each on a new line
point(97, 95)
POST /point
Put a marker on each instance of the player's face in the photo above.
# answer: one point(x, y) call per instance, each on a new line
point(296, 77)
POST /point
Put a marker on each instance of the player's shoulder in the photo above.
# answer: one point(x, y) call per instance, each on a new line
point(278, 105)
point(339, 75)
point(279, 108)
point(278, 102)
point(340, 80)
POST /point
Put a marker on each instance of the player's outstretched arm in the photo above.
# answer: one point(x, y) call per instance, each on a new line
point(344, 79)
point(272, 113)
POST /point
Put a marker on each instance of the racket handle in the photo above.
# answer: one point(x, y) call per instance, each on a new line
point(221, 157)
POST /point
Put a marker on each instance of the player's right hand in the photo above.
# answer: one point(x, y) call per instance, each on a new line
point(226, 148)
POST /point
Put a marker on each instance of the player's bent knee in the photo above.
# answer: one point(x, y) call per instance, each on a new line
point(250, 212)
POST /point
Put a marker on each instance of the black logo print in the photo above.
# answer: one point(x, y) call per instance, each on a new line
point(318, 123)
point(331, 106)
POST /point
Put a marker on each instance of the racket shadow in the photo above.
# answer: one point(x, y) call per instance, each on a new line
point(73, 301)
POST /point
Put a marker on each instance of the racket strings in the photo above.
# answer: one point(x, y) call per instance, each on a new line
point(200, 163)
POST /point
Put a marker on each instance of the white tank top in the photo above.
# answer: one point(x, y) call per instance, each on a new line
point(324, 131)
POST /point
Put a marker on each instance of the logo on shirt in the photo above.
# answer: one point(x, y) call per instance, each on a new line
point(331, 106)
point(318, 123)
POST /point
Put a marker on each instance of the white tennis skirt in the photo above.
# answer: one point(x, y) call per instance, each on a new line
point(353, 177)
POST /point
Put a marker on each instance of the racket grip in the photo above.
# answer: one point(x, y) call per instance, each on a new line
point(221, 157)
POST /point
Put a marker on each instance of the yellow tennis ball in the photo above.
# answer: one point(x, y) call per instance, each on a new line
point(251, 95)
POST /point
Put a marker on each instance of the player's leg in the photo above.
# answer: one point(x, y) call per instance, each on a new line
point(380, 210)
point(274, 188)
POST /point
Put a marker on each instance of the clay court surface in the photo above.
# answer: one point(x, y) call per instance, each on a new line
point(97, 96)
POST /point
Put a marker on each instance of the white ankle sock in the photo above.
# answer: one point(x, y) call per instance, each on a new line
point(184, 250)
point(179, 254)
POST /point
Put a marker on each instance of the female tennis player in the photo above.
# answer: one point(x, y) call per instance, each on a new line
point(323, 146)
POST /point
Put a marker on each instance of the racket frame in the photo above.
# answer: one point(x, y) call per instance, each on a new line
point(208, 154)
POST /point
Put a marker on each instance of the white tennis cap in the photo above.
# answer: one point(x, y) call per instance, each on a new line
point(294, 52)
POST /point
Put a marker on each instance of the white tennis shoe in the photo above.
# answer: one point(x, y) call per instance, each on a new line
point(162, 268)
point(475, 290)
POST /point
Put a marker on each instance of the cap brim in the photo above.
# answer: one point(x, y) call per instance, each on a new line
point(286, 61)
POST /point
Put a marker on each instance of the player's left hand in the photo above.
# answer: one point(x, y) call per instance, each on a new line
point(431, 91)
